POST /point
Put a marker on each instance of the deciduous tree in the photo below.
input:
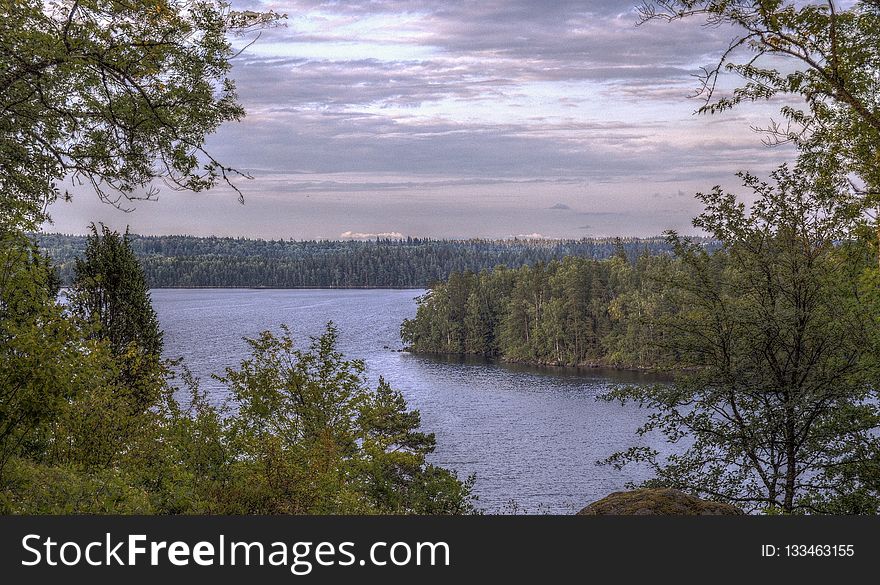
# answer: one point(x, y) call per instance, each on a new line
point(780, 354)
point(824, 57)
point(113, 94)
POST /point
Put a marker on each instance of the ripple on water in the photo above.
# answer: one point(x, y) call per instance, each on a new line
point(531, 435)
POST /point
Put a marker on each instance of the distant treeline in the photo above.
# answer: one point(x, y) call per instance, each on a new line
point(577, 311)
point(187, 261)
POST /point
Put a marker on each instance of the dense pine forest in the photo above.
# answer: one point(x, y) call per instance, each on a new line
point(186, 261)
point(574, 311)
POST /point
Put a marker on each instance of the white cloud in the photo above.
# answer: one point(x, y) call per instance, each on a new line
point(532, 236)
point(350, 235)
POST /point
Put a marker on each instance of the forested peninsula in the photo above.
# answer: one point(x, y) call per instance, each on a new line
point(569, 312)
point(187, 261)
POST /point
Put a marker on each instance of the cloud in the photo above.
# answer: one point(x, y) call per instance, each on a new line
point(366, 112)
point(362, 142)
point(349, 235)
point(514, 89)
point(295, 183)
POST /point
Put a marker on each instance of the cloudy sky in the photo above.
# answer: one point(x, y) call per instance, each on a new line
point(462, 119)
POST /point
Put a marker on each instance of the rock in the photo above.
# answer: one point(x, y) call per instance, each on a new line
point(657, 502)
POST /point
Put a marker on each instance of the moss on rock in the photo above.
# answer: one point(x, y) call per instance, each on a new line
point(656, 502)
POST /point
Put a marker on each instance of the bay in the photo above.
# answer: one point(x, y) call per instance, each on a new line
point(531, 435)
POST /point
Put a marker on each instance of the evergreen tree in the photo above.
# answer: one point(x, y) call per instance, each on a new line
point(186, 261)
point(110, 292)
point(110, 289)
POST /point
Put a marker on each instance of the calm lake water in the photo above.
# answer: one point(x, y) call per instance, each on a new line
point(531, 435)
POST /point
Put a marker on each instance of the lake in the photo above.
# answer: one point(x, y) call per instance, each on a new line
point(531, 435)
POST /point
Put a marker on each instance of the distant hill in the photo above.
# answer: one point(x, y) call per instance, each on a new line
point(187, 261)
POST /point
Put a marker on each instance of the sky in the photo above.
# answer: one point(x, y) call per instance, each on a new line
point(456, 119)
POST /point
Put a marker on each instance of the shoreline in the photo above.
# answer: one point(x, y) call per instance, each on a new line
point(548, 365)
point(284, 287)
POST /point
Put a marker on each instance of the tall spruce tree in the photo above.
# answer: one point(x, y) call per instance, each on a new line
point(109, 290)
